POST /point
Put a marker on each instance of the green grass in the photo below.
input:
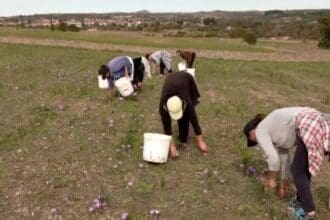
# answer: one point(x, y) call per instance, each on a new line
point(136, 39)
point(58, 150)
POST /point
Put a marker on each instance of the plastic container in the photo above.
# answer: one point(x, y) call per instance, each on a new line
point(181, 66)
point(156, 147)
point(103, 83)
point(124, 86)
point(191, 71)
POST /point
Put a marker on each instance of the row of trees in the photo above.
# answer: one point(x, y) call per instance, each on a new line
point(64, 27)
point(248, 31)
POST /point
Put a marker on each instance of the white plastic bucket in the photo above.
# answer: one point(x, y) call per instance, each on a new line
point(191, 71)
point(103, 83)
point(156, 147)
point(124, 86)
point(181, 66)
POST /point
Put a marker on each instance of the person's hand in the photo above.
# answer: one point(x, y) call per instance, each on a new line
point(139, 85)
point(173, 152)
point(284, 189)
point(270, 182)
point(202, 145)
point(110, 93)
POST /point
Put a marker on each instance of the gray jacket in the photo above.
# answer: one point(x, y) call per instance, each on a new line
point(276, 135)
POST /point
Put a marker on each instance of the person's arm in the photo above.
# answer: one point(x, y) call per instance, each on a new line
point(173, 152)
point(111, 86)
point(153, 66)
point(201, 144)
point(194, 122)
point(126, 72)
point(146, 66)
point(110, 93)
point(272, 157)
point(167, 126)
point(166, 121)
point(193, 91)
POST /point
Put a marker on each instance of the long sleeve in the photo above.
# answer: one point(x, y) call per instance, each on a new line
point(193, 119)
point(266, 144)
point(111, 82)
point(194, 93)
point(166, 121)
point(146, 67)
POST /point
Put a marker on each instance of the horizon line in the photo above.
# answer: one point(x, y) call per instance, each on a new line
point(165, 12)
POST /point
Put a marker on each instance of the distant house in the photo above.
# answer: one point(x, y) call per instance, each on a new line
point(55, 22)
point(138, 23)
point(41, 22)
point(78, 24)
point(2, 21)
point(89, 22)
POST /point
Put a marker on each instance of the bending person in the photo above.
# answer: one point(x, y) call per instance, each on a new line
point(178, 100)
point(188, 57)
point(279, 131)
point(161, 58)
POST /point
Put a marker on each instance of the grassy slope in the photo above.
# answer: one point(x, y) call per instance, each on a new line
point(57, 149)
point(136, 39)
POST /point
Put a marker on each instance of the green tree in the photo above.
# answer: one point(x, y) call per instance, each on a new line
point(73, 28)
point(62, 26)
point(209, 21)
point(237, 32)
point(325, 32)
point(52, 27)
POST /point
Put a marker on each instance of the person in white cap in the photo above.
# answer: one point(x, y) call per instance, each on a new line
point(178, 100)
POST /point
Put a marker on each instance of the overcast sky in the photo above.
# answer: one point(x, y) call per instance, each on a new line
point(27, 7)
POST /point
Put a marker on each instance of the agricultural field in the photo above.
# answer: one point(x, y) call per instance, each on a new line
point(63, 142)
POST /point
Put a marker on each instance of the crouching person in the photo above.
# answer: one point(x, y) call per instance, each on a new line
point(178, 100)
point(141, 68)
point(187, 56)
point(161, 58)
point(117, 68)
point(283, 128)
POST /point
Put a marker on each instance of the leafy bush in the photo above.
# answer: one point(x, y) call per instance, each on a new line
point(62, 27)
point(211, 34)
point(237, 33)
point(73, 28)
point(250, 38)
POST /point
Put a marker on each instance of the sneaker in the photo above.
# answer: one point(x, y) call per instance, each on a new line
point(299, 214)
point(308, 217)
point(294, 204)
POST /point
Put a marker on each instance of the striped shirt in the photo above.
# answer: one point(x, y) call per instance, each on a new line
point(314, 130)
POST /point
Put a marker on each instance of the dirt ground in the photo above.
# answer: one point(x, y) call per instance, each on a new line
point(295, 54)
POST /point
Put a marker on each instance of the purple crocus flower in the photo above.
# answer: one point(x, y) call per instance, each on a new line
point(250, 170)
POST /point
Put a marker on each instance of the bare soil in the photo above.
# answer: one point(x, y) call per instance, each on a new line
point(293, 54)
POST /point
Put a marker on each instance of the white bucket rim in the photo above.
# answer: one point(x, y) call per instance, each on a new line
point(157, 135)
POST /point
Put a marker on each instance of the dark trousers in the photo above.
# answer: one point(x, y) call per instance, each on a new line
point(190, 61)
point(162, 67)
point(302, 176)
